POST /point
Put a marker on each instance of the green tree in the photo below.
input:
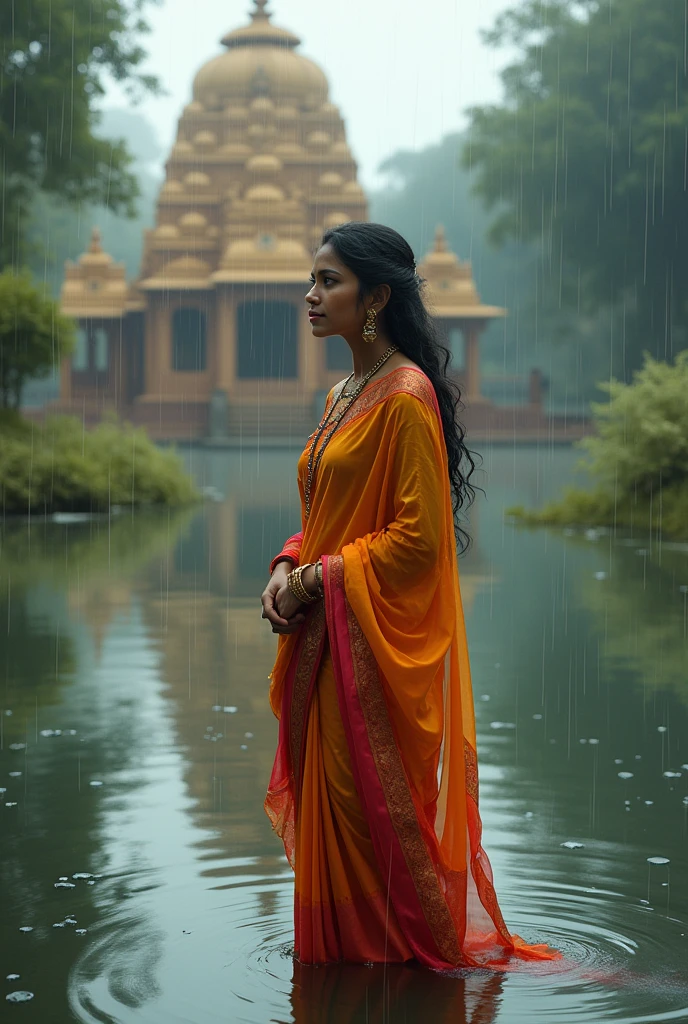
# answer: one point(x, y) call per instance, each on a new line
point(587, 156)
point(34, 335)
point(54, 56)
point(638, 455)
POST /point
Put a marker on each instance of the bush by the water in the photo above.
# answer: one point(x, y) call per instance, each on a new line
point(638, 457)
point(59, 466)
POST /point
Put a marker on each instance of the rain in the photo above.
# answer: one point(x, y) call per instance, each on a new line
point(167, 173)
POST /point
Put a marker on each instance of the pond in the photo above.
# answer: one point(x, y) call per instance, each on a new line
point(140, 879)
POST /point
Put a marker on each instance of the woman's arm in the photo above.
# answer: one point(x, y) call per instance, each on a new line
point(291, 551)
point(406, 551)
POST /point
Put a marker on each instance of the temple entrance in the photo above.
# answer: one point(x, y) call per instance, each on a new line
point(267, 340)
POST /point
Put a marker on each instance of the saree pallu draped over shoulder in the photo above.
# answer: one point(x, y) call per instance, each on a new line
point(374, 789)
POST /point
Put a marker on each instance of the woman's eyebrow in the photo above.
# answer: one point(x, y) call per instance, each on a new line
point(337, 272)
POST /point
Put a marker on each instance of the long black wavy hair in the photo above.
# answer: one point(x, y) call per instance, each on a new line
point(377, 254)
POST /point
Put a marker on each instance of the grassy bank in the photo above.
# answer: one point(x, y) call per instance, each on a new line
point(637, 459)
point(60, 467)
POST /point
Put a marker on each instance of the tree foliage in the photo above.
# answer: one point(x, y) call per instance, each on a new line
point(54, 59)
point(34, 335)
point(638, 456)
point(587, 154)
point(62, 467)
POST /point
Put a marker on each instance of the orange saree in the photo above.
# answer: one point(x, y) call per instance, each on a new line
point(374, 789)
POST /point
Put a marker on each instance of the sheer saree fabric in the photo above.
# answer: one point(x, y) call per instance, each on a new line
point(374, 789)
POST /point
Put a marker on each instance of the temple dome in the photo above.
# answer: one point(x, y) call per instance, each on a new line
point(260, 60)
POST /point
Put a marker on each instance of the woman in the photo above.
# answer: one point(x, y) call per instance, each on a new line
point(374, 789)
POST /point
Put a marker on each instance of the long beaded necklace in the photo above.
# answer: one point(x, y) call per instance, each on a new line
point(313, 461)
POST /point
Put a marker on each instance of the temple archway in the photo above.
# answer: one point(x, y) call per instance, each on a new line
point(267, 340)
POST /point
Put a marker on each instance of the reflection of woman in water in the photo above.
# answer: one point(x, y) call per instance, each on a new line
point(374, 789)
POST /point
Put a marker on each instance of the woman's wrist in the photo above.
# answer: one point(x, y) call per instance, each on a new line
point(308, 580)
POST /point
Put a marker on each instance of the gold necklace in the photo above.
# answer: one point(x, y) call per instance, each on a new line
point(314, 462)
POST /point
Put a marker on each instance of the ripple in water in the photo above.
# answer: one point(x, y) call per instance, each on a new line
point(232, 959)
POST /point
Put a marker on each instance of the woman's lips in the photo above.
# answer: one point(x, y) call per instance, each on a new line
point(314, 316)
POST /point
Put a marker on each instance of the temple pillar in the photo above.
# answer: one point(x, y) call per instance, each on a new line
point(471, 334)
point(157, 354)
point(225, 340)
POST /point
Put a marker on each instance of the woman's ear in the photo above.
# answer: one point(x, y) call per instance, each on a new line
point(381, 296)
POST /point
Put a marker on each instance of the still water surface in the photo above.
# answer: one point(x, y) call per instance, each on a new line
point(136, 743)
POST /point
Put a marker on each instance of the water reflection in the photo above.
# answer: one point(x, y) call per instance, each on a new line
point(144, 636)
point(345, 994)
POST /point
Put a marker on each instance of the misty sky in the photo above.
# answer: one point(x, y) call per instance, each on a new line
point(401, 71)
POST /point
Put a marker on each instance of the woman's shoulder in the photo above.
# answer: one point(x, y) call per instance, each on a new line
point(407, 382)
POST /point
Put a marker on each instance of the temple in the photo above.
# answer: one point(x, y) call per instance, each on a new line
point(212, 339)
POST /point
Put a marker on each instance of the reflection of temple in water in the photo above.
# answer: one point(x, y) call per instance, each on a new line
point(212, 340)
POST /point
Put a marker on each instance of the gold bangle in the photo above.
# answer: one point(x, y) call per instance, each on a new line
point(318, 572)
point(296, 586)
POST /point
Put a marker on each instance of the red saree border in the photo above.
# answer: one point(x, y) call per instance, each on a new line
point(401, 848)
point(308, 661)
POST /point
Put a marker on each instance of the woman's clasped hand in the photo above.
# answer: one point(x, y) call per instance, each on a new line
point(281, 608)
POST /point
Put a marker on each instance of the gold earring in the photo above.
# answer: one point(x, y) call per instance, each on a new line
point(370, 327)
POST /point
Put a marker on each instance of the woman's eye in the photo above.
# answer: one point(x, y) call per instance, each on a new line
point(326, 279)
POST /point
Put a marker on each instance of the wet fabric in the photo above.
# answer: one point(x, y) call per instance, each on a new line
point(374, 789)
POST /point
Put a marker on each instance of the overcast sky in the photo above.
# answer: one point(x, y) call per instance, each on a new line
point(401, 71)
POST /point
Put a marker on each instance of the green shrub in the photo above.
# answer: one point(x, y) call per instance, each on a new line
point(638, 457)
point(63, 467)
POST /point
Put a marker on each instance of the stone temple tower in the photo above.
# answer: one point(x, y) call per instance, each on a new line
point(213, 337)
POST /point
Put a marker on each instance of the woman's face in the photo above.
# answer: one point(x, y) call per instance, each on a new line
point(333, 299)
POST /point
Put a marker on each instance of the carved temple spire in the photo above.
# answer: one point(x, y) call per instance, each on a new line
point(259, 12)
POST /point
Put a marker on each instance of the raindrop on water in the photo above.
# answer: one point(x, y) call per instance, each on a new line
point(657, 860)
point(571, 845)
point(625, 775)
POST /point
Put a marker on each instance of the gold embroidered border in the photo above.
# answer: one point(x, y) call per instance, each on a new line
point(315, 627)
point(402, 379)
point(471, 762)
point(394, 782)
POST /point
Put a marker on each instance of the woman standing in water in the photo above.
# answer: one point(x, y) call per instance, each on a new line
point(374, 789)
